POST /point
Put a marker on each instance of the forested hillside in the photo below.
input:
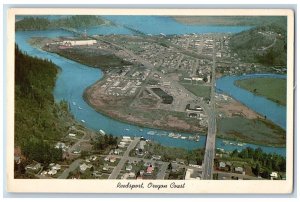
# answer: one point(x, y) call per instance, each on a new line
point(263, 44)
point(39, 121)
point(39, 23)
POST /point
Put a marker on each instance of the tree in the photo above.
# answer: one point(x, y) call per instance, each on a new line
point(266, 174)
point(235, 153)
point(257, 169)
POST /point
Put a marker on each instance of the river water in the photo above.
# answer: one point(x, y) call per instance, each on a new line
point(74, 78)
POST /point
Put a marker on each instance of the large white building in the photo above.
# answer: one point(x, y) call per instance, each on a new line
point(79, 42)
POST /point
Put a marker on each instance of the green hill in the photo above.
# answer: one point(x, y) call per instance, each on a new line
point(229, 20)
point(263, 44)
point(39, 121)
point(76, 21)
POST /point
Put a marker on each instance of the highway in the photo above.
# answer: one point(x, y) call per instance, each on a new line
point(209, 156)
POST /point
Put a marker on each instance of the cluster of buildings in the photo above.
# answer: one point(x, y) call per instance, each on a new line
point(124, 82)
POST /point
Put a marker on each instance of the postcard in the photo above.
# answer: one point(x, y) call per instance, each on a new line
point(150, 100)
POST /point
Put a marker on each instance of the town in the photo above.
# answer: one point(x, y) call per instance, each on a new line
point(132, 159)
point(166, 82)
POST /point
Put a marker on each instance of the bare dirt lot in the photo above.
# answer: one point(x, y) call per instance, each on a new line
point(233, 107)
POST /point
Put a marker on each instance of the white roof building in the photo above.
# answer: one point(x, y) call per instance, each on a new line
point(52, 172)
point(274, 175)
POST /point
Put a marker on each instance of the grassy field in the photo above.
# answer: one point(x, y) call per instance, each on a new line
point(92, 57)
point(198, 90)
point(258, 131)
point(272, 89)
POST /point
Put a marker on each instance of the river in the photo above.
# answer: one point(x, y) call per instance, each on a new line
point(74, 78)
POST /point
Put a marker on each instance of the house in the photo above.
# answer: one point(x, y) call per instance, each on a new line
point(180, 161)
point(193, 115)
point(129, 167)
point(105, 167)
point(191, 174)
point(43, 173)
point(146, 164)
point(97, 174)
point(56, 167)
point(126, 139)
point(117, 151)
point(33, 167)
point(131, 174)
point(112, 159)
point(222, 165)
point(52, 172)
point(72, 135)
point(93, 158)
point(84, 166)
point(17, 159)
point(156, 157)
point(77, 151)
point(106, 158)
point(60, 145)
point(274, 175)
point(239, 170)
point(122, 144)
point(150, 169)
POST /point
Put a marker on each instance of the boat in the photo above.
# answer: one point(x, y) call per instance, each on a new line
point(101, 132)
point(221, 149)
point(241, 144)
point(79, 108)
point(151, 133)
point(176, 136)
point(183, 137)
point(74, 103)
point(83, 121)
point(171, 134)
point(127, 129)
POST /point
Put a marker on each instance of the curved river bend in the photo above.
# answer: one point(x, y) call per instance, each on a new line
point(75, 78)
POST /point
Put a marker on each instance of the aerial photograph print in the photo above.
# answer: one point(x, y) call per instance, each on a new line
point(150, 97)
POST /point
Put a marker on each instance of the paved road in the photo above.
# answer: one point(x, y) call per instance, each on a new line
point(84, 138)
point(71, 168)
point(212, 128)
point(162, 171)
point(123, 160)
